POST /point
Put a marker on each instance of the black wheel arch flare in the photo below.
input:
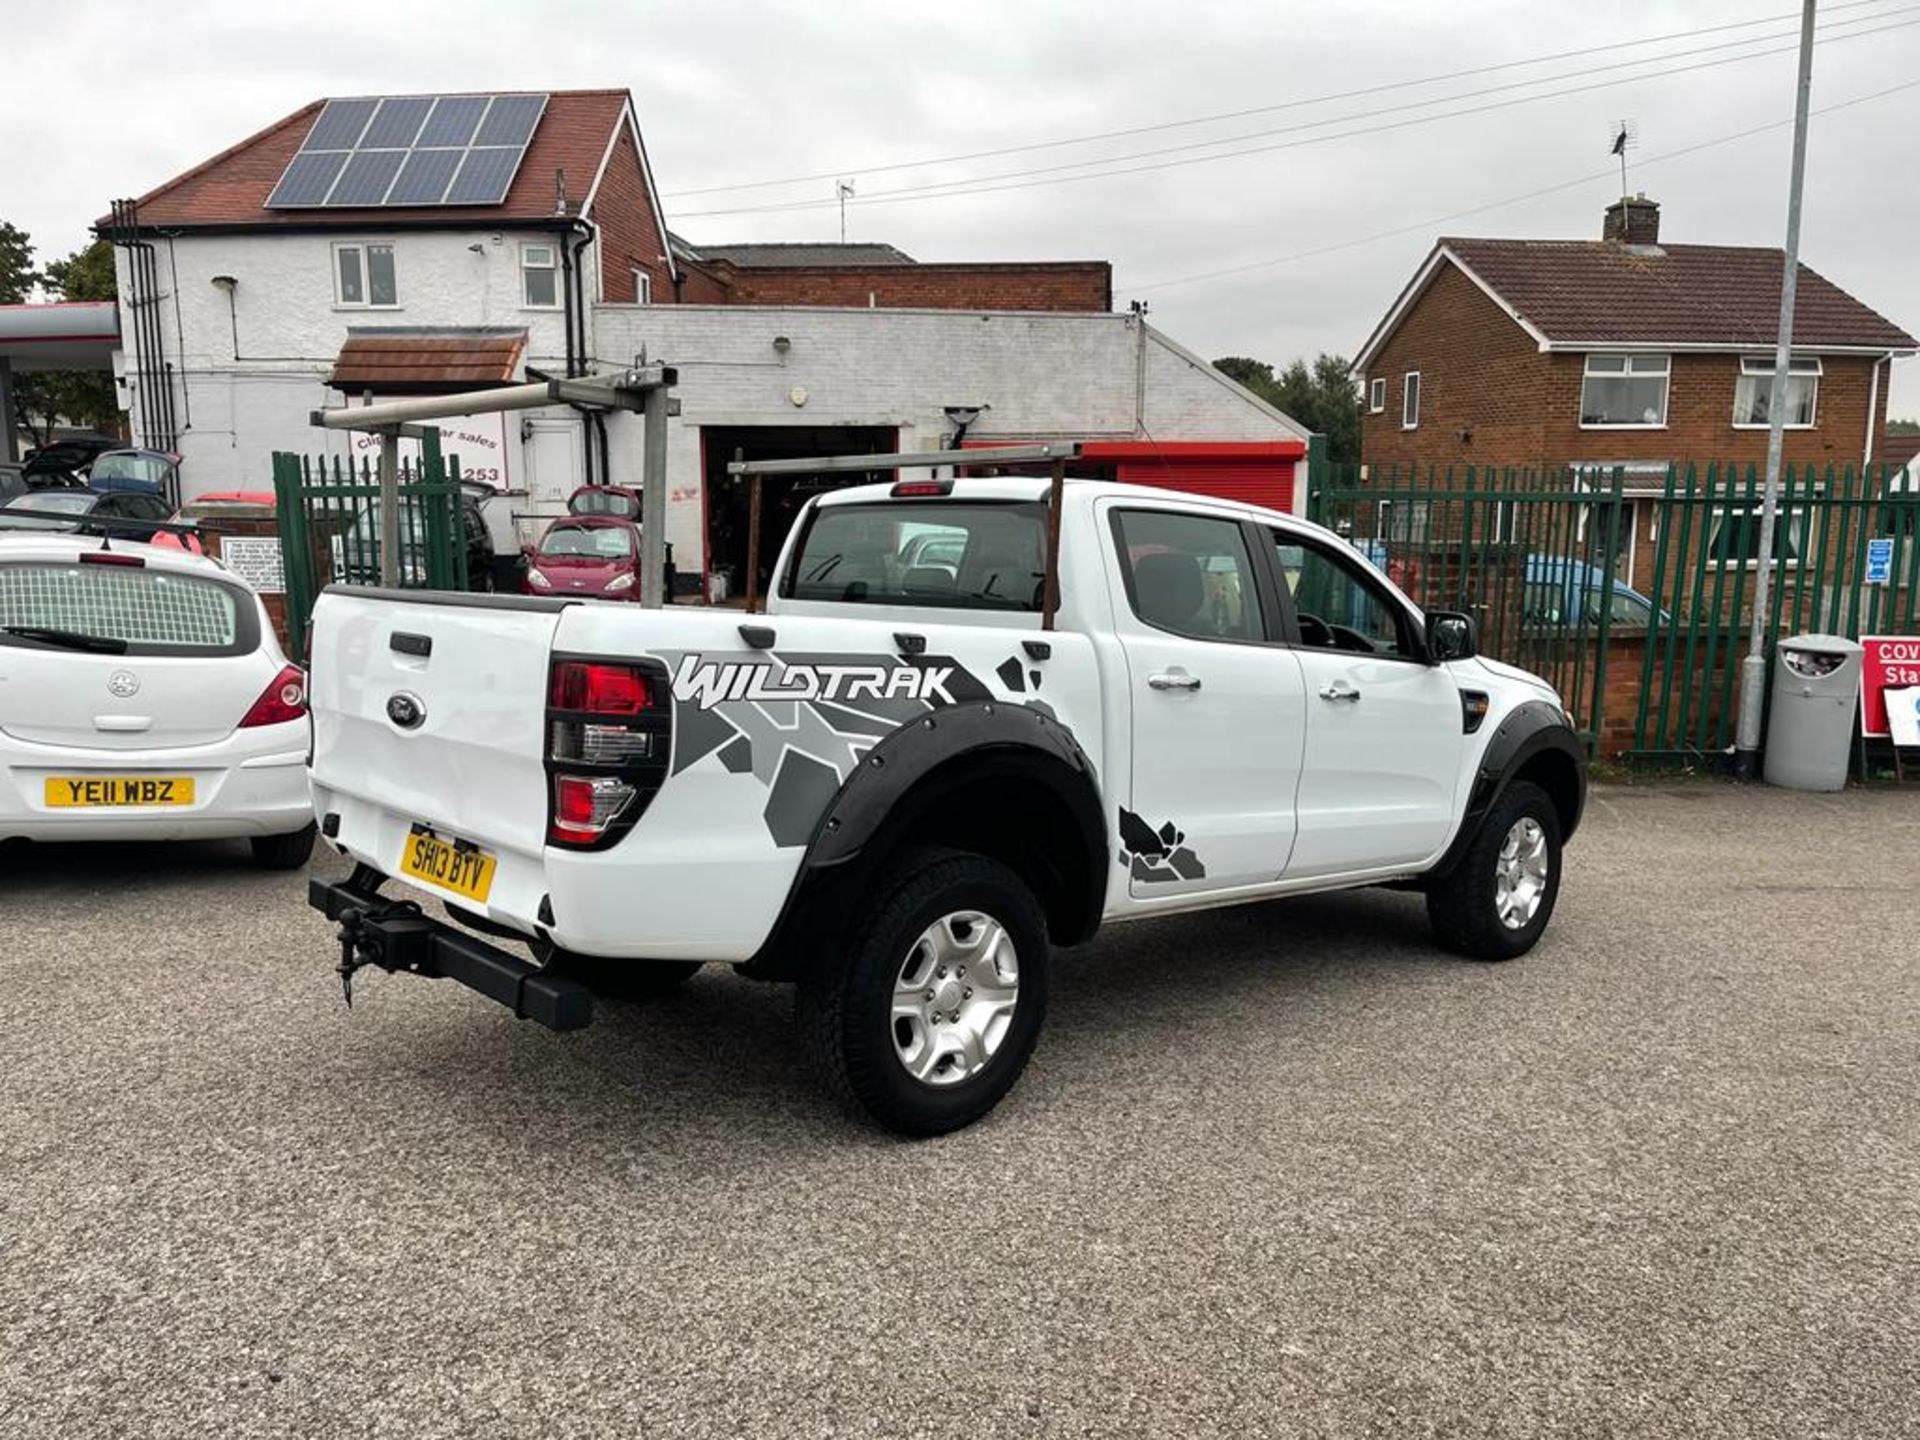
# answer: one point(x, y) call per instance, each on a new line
point(900, 783)
point(1532, 729)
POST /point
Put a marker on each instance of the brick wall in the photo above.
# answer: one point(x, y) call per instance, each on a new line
point(1489, 396)
point(629, 230)
point(1479, 372)
point(1067, 286)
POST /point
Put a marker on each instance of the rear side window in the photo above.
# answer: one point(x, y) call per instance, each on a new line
point(155, 612)
point(956, 554)
point(1189, 574)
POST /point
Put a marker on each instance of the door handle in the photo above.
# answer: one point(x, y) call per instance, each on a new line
point(1174, 680)
point(1337, 690)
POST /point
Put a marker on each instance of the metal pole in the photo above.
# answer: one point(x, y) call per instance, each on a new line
point(9, 439)
point(389, 508)
point(1753, 672)
point(653, 500)
point(1050, 585)
point(753, 544)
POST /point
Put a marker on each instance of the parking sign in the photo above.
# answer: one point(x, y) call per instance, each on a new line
point(1879, 560)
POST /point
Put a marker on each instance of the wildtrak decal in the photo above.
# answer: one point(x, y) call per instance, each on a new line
point(706, 683)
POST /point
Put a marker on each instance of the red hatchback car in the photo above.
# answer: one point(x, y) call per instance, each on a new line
point(590, 555)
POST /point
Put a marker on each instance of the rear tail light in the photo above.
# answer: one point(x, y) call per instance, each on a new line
point(609, 735)
point(285, 699)
point(921, 489)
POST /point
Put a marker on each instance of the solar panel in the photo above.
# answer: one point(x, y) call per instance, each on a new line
point(484, 176)
point(367, 176)
point(423, 179)
point(339, 125)
point(455, 118)
point(411, 150)
point(309, 176)
point(511, 119)
point(397, 122)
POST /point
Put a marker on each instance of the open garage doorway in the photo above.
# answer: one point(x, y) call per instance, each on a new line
point(780, 496)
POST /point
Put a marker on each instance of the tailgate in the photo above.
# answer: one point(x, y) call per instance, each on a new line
point(470, 675)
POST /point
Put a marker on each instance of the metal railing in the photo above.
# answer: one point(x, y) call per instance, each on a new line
point(327, 509)
point(1631, 589)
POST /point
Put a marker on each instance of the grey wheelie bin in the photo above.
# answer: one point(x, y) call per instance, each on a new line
point(1816, 683)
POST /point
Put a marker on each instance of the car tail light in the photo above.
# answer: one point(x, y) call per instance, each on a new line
point(609, 735)
point(921, 489)
point(112, 557)
point(285, 699)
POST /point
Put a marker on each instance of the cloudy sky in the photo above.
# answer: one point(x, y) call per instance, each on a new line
point(1295, 246)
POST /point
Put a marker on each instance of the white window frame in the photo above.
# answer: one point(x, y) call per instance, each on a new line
point(642, 286)
point(1410, 400)
point(1794, 520)
point(1761, 366)
point(1377, 395)
point(552, 267)
point(363, 248)
point(1627, 368)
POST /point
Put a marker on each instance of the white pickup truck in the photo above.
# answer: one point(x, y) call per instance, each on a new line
point(897, 789)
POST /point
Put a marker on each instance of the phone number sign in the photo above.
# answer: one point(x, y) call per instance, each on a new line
point(1890, 662)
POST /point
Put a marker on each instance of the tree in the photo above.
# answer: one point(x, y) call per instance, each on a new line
point(17, 275)
point(81, 397)
point(1903, 427)
point(1321, 396)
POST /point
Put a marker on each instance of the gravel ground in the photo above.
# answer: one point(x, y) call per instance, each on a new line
point(1281, 1170)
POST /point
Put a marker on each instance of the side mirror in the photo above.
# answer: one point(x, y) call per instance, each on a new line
point(1452, 636)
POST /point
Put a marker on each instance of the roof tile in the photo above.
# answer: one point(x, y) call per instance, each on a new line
point(1600, 291)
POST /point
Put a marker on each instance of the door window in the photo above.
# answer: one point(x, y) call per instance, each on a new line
point(1340, 606)
point(1189, 574)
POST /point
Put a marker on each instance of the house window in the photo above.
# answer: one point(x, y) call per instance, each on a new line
point(363, 276)
point(539, 277)
point(1410, 400)
point(642, 287)
point(1376, 395)
point(1735, 540)
point(1753, 391)
point(1625, 390)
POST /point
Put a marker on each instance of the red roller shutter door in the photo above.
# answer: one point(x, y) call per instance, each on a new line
point(1257, 480)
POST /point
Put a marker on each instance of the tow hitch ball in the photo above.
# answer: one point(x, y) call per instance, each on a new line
point(390, 945)
point(349, 933)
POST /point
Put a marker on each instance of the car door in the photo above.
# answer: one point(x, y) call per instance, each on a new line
point(1385, 730)
point(1216, 702)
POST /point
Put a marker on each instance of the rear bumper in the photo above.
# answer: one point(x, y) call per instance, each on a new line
point(254, 782)
point(396, 937)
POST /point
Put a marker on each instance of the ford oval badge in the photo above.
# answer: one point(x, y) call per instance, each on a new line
point(406, 711)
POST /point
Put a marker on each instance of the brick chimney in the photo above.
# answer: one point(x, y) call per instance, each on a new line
point(1633, 220)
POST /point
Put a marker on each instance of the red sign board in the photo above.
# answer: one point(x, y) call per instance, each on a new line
point(1891, 662)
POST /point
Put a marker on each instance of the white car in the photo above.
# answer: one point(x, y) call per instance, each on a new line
point(143, 696)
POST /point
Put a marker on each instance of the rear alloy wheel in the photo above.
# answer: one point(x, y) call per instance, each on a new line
point(927, 1016)
point(1495, 902)
point(283, 852)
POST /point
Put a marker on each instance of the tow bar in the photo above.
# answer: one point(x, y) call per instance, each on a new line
point(396, 936)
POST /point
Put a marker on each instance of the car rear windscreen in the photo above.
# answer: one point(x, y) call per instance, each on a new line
point(155, 612)
point(957, 554)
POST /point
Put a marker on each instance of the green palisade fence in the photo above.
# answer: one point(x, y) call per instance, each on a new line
point(328, 512)
point(1632, 590)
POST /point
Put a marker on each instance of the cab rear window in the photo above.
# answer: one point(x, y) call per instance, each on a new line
point(953, 554)
point(154, 612)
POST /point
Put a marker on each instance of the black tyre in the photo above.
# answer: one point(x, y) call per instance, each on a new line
point(1495, 903)
point(283, 852)
point(624, 979)
point(927, 1013)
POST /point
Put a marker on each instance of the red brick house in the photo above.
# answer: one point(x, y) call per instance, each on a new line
point(1622, 350)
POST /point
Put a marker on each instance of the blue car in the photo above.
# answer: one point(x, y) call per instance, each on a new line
point(1563, 591)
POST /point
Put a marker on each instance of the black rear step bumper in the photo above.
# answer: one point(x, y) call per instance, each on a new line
point(397, 937)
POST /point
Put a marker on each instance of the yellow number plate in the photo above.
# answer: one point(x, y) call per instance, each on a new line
point(117, 791)
point(452, 865)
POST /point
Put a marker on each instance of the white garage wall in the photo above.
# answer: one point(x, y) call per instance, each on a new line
point(1045, 376)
